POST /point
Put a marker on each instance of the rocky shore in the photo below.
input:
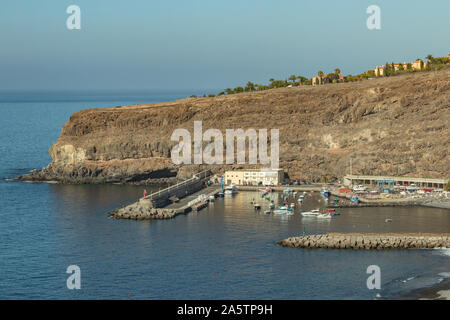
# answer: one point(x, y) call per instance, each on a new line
point(360, 241)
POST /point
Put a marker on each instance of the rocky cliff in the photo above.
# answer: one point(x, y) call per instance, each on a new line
point(388, 126)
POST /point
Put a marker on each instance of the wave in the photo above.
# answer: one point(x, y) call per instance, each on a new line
point(442, 251)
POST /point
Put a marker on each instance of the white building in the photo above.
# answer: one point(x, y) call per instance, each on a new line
point(254, 177)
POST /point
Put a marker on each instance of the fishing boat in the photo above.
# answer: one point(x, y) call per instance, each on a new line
point(325, 192)
point(314, 212)
point(267, 212)
point(257, 206)
point(287, 190)
point(199, 206)
point(284, 210)
point(359, 187)
point(220, 194)
point(231, 189)
point(292, 205)
point(354, 199)
point(271, 206)
point(333, 212)
point(212, 198)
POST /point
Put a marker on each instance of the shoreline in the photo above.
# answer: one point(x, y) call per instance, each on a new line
point(439, 291)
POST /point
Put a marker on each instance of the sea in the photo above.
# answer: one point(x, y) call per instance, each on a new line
point(226, 251)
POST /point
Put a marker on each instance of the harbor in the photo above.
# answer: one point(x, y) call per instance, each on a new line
point(202, 188)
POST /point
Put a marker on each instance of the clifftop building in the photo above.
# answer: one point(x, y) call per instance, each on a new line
point(416, 65)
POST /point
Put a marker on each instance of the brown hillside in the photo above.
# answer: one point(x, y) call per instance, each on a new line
point(389, 126)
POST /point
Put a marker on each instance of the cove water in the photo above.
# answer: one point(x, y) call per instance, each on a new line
point(227, 251)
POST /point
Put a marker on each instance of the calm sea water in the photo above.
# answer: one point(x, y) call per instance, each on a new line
point(225, 251)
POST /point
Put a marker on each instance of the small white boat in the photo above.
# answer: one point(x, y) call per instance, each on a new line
point(271, 206)
point(315, 212)
point(267, 212)
point(324, 216)
point(359, 187)
point(292, 205)
point(231, 189)
point(284, 210)
point(212, 198)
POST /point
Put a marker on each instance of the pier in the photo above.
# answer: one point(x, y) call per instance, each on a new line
point(161, 199)
point(161, 204)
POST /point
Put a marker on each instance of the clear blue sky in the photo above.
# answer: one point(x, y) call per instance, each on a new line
point(200, 44)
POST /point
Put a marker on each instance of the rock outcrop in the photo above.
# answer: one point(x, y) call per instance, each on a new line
point(388, 126)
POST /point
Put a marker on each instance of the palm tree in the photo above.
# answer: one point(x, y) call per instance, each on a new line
point(293, 78)
point(429, 57)
point(320, 73)
point(301, 79)
point(250, 86)
point(337, 71)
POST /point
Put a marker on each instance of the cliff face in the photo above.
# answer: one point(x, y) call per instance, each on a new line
point(390, 126)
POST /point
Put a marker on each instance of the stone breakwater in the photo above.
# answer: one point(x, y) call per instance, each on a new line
point(143, 210)
point(360, 241)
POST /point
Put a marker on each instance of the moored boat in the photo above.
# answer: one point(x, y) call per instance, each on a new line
point(284, 210)
point(314, 212)
point(231, 189)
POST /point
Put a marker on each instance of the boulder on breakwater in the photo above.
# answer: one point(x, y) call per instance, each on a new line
point(143, 210)
point(370, 241)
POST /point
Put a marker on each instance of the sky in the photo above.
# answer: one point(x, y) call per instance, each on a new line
point(207, 44)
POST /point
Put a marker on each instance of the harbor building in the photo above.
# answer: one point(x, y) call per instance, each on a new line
point(388, 181)
point(254, 177)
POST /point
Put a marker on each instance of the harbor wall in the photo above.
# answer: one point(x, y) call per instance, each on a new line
point(183, 189)
point(143, 210)
point(360, 241)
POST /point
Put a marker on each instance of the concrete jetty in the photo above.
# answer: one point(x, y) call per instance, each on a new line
point(159, 206)
point(369, 241)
